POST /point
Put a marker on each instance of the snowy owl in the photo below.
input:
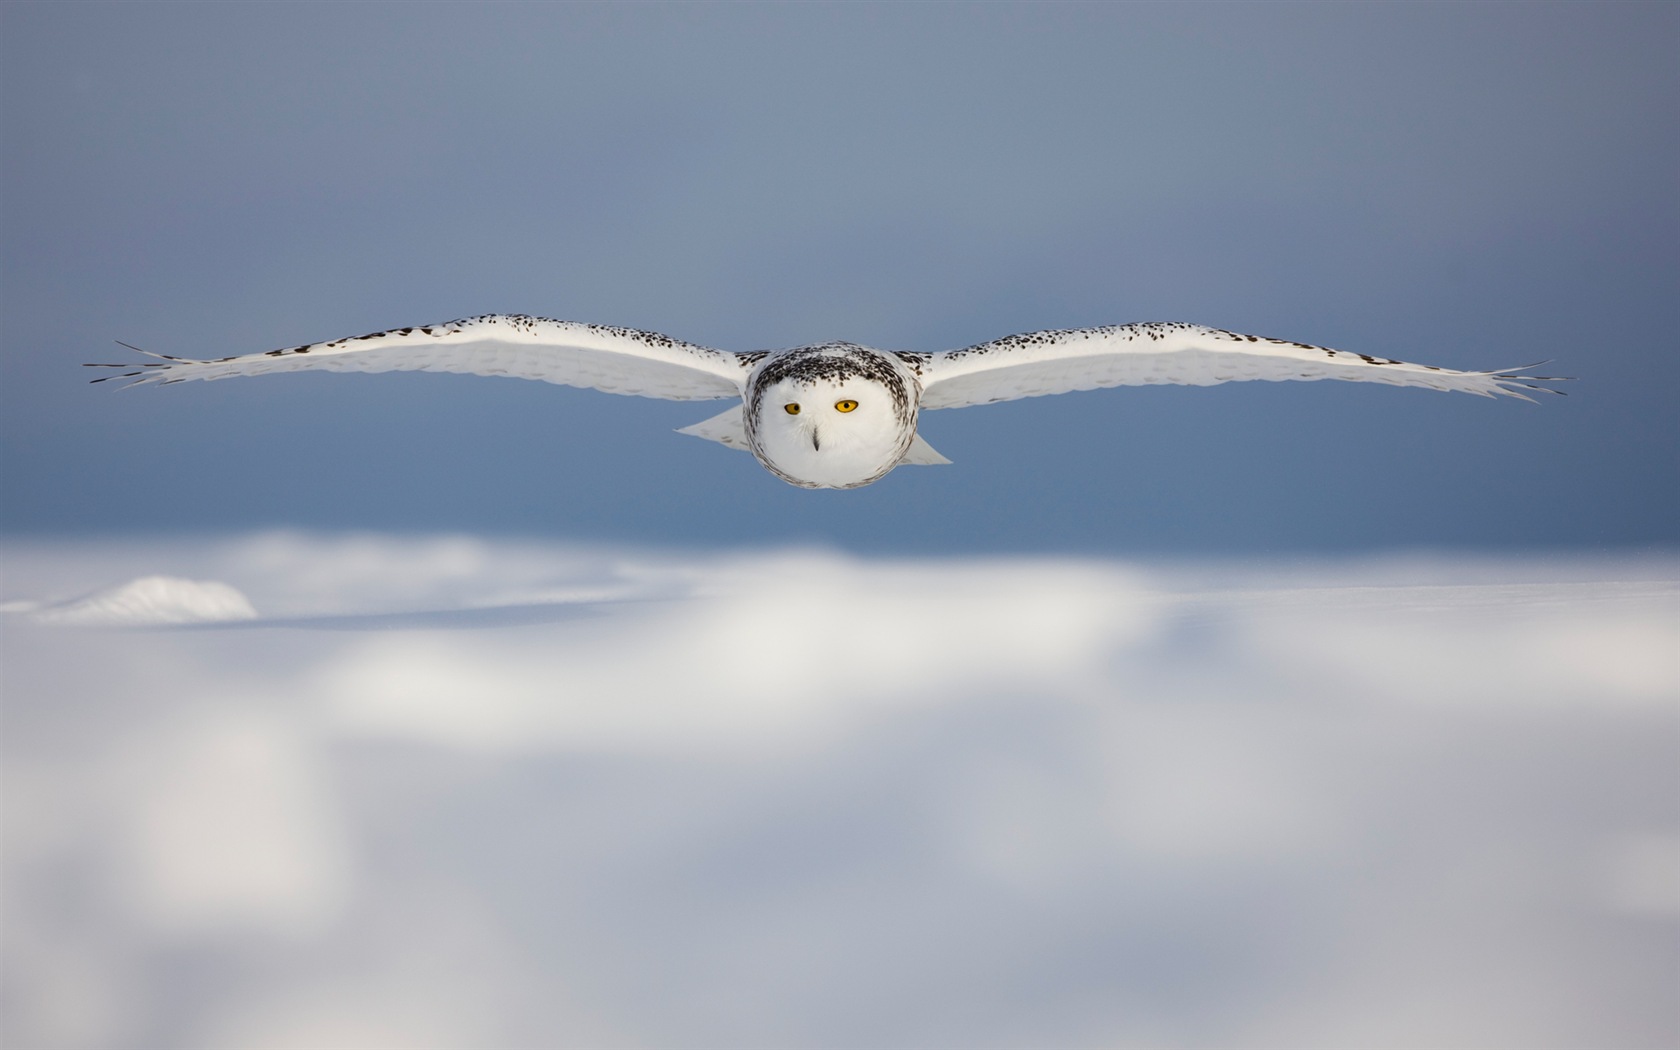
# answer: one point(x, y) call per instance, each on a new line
point(831, 415)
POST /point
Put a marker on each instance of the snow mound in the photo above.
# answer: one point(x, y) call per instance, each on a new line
point(152, 600)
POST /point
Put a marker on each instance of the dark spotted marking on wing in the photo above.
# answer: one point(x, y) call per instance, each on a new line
point(914, 360)
point(525, 323)
point(1155, 331)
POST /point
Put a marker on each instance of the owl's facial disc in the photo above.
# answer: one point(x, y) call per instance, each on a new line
point(829, 433)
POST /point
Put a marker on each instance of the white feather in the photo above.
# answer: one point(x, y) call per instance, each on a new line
point(616, 360)
point(1056, 362)
point(922, 454)
point(726, 428)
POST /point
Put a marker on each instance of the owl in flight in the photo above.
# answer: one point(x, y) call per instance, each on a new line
point(832, 415)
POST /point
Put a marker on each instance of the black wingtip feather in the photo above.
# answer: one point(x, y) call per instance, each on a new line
point(148, 353)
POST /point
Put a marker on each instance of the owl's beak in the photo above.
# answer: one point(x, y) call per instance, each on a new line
point(816, 442)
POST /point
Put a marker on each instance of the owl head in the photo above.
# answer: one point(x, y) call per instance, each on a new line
point(832, 416)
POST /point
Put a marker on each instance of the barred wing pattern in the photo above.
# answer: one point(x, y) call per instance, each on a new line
point(1057, 362)
point(616, 360)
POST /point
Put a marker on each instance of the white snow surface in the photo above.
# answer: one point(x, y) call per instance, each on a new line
point(456, 792)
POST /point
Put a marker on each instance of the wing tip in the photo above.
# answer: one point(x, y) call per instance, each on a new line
point(1511, 382)
point(140, 373)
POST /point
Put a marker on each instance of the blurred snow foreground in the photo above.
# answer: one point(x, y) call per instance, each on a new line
point(445, 793)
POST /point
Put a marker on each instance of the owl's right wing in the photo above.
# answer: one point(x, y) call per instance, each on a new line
point(1056, 362)
point(616, 360)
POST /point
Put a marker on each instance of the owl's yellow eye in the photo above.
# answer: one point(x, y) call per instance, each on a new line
point(791, 408)
point(845, 406)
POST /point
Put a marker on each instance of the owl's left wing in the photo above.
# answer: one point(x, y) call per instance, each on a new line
point(616, 360)
point(1056, 362)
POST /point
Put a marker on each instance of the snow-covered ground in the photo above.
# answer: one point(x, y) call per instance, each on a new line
point(290, 791)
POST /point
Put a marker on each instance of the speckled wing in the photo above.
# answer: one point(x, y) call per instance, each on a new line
point(1142, 354)
point(616, 360)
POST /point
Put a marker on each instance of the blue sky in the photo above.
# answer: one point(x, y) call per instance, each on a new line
point(1470, 186)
